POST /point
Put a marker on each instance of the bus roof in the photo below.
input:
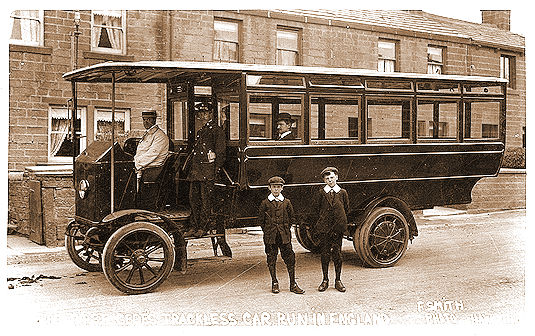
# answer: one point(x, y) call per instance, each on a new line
point(164, 71)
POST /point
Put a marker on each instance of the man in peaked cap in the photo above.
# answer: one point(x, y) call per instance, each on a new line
point(206, 158)
point(153, 148)
point(284, 127)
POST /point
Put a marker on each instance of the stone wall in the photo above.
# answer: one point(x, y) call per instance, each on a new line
point(504, 192)
point(57, 203)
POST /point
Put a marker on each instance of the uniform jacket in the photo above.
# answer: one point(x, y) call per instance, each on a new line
point(331, 213)
point(209, 138)
point(276, 217)
point(152, 149)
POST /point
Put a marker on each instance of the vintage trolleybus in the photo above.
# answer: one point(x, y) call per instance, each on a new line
point(401, 142)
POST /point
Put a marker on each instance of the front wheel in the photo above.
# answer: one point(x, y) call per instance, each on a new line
point(383, 238)
point(138, 257)
point(82, 250)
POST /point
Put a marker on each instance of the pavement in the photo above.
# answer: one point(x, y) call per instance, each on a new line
point(19, 245)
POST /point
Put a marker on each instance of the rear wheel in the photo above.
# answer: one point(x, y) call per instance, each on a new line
point(138, 257)
point(81, 250)
point(304, 237)
point(383, 237)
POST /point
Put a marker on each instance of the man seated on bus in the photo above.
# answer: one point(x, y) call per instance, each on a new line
point(153, 147)
point(284, 127)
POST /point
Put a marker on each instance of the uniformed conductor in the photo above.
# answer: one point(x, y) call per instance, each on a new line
point(275, 217)
point(153, 148)
point(207, 157)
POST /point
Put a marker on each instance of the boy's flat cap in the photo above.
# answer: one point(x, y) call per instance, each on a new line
point(328, 170)
point(276, 180)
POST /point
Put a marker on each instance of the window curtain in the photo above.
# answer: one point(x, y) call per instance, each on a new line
point(58, 134)
point(111, 20)
point(25, 25)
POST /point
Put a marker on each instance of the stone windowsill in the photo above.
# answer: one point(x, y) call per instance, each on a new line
point(50, 170)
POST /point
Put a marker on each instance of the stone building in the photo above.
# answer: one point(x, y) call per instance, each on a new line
point(43, 46)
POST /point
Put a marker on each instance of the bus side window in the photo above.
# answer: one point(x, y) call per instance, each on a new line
point(437, 119)
point(334, 118)
point(482, 119)
point(264, 111)
point(388, 119)
point(180, 123)
point(228, 117)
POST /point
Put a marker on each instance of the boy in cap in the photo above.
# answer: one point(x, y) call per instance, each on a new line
point(331, 205)
point(275, 217)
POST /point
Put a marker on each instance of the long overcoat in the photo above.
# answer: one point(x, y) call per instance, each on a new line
point(210, 138)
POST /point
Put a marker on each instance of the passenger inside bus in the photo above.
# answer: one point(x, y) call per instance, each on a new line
point(284, 127)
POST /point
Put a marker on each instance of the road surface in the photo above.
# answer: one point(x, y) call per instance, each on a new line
point(460, 270)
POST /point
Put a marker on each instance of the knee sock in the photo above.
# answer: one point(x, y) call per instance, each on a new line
point(291, 274)
point(273, 272)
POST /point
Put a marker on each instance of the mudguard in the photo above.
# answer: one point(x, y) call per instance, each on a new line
point(393, 202)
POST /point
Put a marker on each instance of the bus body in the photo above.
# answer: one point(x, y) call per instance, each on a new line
point(400, 141)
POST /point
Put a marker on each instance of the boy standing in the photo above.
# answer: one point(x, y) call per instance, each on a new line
point(332, 205)
point(275, 217)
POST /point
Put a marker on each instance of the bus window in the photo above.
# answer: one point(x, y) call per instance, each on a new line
point(437, 119)
point(438, 87)
point(228, 109)
point(388, 119)
point(180, 124)
point(483, 88)
point(334, 118)
point(482, 119)
point(263, 113)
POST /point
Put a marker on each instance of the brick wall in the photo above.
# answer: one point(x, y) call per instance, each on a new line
point(506, 191)
point(36, 84)
point(18, 203)
point(58, 207)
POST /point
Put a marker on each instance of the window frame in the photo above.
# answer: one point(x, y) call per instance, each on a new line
point(430, 100)
point(322, 129)
point(298, 51)
point(441, 64)
point(298, 121)
point(395, 59)
point(511, 76)
point(82, 113)
point(103, 50)
point(394, 99)
point(127, 119)
point(41, 38)
point(237, 42)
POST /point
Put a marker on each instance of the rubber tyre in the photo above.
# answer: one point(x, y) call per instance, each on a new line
point(304, 237)
point(81, 255)
point(128, 246)
point(382, 239)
